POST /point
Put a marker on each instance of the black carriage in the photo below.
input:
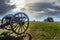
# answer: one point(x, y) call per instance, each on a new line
point(18, 23)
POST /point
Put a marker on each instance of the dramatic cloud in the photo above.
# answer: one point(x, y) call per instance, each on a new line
point(34, 1)
point(4, 7)
point(43, 8)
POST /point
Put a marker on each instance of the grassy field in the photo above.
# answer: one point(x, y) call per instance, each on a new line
point(44, 30)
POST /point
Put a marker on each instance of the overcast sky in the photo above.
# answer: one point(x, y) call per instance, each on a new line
point(42, 9)
point(35, 9)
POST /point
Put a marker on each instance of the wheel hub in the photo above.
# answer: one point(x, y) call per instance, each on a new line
point(21, 23)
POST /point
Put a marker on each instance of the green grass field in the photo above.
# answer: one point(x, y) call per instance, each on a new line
point(44, 30)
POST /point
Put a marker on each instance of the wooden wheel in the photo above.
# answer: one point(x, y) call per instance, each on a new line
point(19, 23)
point(5, 20)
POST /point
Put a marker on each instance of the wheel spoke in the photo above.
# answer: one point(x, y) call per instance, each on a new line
point(24, 25)
point(18, 15)
point(19, 29)
point(24, 19)
point(21, 15)
point(23, 28)
point(16, 27)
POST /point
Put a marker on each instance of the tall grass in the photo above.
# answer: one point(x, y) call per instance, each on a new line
point(45, 30)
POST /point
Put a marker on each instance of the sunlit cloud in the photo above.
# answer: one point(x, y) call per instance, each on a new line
point(18, 3)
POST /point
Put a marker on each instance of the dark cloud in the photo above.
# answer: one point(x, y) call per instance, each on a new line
point(4, 7)
point(48, 9)
point(49, 14)
point(42, 6)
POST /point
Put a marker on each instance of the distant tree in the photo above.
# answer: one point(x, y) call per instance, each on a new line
point(49, 19)
point(33, 20)
point(45, 20)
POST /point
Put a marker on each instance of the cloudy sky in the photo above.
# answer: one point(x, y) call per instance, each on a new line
point(35, 9)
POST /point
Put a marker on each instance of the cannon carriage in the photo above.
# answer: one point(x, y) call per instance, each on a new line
point(18, 23)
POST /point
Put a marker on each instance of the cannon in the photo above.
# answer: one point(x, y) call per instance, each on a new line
point(18, 22)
